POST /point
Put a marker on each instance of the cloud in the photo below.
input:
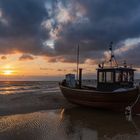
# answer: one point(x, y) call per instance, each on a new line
point(23, 32)
point(93, 26)
point(24, 17)
point(131, 54)
point(26, 57)
point(61, 70)
point(3, 57)
point(3, 20)
point(45, 69)
point(53, 28)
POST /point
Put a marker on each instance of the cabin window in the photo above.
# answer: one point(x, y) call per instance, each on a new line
point(125, 77)
point(109, 77)
point(131, 76)
point(101, 76)
point(118, 76)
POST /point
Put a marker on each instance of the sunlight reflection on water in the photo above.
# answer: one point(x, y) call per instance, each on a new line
point(69, 124)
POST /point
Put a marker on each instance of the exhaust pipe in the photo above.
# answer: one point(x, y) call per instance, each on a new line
point(80, 78)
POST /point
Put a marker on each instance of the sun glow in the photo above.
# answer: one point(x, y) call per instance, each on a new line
point(7, 72)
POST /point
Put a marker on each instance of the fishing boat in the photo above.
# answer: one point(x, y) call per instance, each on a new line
point(115, 88)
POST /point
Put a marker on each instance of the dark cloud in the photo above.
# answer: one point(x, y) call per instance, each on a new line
point(24, 17)
point(132, 56)
point(26, 25)
point(108, 21)
point(113, 20)
point(23, 31)
point(26, 57)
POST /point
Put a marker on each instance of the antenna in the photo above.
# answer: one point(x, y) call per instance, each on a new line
point(112, 56)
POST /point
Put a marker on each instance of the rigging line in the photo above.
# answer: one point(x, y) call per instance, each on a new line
point(135, 101)
point(116, 61)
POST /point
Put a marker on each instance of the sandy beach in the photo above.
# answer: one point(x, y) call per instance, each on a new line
point(31, 102)
point(68, 124)
point(39, 111)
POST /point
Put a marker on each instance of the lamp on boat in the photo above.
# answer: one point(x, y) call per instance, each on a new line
point(125, 64)
point(101, 65)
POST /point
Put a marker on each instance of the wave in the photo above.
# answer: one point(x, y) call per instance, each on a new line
point(27, 86)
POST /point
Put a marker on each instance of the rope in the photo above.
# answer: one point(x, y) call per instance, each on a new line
point(128, 109)
point(135, 101)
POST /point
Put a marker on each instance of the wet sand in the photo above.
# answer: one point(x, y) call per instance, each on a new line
point(69, 124)
point(31, 102)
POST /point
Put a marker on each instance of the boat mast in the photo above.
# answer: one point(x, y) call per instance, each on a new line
point(77, 61)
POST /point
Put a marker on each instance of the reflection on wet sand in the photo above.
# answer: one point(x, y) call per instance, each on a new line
point(69, 124)
point(107, 125)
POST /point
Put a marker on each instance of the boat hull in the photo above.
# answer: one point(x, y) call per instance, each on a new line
point(107, 100)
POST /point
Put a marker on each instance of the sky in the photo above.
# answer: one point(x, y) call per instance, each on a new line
point(38, 38)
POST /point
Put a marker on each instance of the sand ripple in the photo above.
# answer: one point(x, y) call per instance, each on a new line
point(60, 125)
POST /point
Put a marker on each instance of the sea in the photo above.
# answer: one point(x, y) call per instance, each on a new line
point(17, 87)
point(36, 110)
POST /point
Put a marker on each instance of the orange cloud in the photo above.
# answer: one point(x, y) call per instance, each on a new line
point(3, 57)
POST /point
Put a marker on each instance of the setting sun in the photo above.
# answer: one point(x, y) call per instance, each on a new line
point(7, 72)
